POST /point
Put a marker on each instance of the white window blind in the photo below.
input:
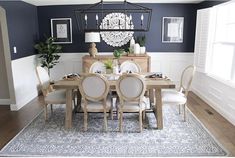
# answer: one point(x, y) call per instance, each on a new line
point(202, 40)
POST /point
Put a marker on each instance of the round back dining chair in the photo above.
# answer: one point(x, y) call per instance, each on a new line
point(130, 66)
point(174, 97)
point(97, 67)
point(50, 97)
point(94, 89)
point(131, 89)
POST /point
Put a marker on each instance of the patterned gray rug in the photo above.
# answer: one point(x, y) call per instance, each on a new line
point(178, 138)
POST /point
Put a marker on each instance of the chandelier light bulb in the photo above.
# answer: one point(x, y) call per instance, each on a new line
point(85, 17)
point(142, 17)
point(130, 17)
point(96, 17)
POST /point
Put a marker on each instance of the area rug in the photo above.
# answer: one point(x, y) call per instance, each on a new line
point(177, 138)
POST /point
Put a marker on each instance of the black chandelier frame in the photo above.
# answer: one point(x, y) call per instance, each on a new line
point(99, 9)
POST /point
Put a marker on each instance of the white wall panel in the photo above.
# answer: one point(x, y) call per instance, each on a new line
point(25, 79)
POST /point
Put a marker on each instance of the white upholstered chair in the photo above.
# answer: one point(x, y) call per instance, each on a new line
point(97, 67)
point(50, 96)
point(131, 89)
point(94, 89)
point(179, 97)
point(130, 66)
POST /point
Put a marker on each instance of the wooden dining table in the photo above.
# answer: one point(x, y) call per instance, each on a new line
point(154, 86)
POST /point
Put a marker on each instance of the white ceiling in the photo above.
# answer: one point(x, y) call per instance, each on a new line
point(72, 2)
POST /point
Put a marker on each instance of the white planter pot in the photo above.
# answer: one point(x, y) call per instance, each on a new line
point(137, 48)
point(142, 50)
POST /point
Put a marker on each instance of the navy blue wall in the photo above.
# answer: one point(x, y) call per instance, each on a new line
point(153, 43)
point(207, 4)
point(22, 24)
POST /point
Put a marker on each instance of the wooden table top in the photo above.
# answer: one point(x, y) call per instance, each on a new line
point(150, 83)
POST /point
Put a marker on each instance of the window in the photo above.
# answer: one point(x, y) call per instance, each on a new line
point(215, 41)
point(220, 60)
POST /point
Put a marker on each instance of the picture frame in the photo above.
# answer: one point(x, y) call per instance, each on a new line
point(172, 29)
point(61, 30)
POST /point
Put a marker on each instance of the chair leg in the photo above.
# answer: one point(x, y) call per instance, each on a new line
point(185, 112)
point(144, 114)
point(45, 112)
point(179, 109)
point(140, 121)
point(105, 121)
point(85, 120)
point(120, 121)
point(51, 108)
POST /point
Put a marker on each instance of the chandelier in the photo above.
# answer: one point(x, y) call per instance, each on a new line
point(105, 16)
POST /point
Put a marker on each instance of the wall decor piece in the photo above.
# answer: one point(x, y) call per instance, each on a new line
point(116, 21)
point(172, 29)
point(61, 30)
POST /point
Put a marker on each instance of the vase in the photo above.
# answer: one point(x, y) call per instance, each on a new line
point(132, 45)
point(142, 50)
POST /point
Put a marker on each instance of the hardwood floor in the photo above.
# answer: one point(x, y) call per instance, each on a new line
point(12, 123)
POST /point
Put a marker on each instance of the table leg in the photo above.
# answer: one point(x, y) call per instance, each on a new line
point(151, 96)
point(158, 108)
point(79, 101)
point(68, 116)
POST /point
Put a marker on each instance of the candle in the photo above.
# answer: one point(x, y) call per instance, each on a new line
point(85, 17)
point(96, 17)
point(130, 17)
point(142, 17)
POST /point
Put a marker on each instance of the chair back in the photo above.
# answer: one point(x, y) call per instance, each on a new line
point(186, 78)
point(97, 67)
point(131, 87)
point(44, 80)
point(94, 87)
point(130, 66)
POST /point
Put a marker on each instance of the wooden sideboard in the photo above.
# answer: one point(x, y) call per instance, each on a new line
point(142, 61)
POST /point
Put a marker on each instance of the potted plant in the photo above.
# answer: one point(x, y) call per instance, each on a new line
point(141, 40)
point(117, 53)
point(48, 53)
point(109, 66)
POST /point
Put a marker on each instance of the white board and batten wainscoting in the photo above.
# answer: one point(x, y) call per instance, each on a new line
point(26, 82)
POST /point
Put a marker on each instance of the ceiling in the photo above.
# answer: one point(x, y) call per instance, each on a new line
point(72, 2)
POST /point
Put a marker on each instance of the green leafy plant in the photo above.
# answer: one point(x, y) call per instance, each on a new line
point(141, 40)
point(108, 64)
point(48, 53)
point(117, 53)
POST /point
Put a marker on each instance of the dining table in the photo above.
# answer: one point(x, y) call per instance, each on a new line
point(153, 85)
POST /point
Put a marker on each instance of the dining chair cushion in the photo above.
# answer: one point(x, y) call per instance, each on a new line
point(58, 96)
point(173, 97)
point(128, 66)
point(131, 87)
point(97, 106)
point(134, 106)
point(93, 86)
point(97, 67)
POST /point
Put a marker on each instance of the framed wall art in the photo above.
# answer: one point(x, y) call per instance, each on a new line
point(61, 30)
point(172, 29)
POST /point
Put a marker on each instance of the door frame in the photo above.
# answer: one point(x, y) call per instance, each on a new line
point(7, 55)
